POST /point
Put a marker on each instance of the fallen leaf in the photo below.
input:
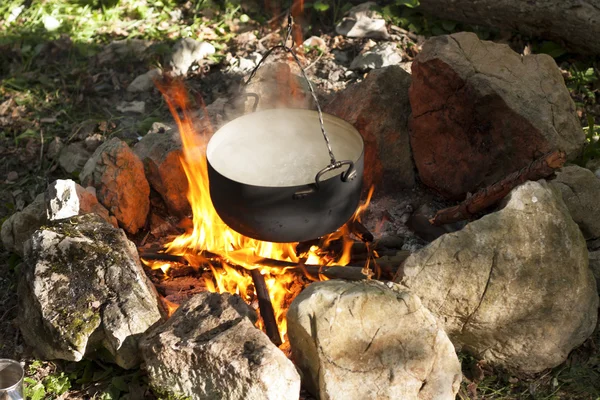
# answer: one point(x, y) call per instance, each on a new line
point(472, 389)
point(6, 105)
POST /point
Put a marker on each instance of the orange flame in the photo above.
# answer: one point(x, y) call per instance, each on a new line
point(211, 234)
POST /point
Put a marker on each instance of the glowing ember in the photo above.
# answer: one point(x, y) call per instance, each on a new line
point(210, 234)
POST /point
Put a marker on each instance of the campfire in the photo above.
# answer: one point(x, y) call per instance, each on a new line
point(346, 314)
point(271, 274)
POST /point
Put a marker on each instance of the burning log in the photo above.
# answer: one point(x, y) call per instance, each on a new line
point(266, 307)
point(360, 231)
point(164, 257)
point(178, 259)
point(389, 264)
point(381, 245)
point(538, 169)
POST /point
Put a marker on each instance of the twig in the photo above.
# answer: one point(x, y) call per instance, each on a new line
point(41, 149)
point(314, 62)
point(538, 169)
point(266, 307)
point(143, 242)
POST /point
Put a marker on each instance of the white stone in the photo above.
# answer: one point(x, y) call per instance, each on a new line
point(210, 349)
point(513, 287)
point(362, 22)
point(136, 107)
point(144, 82)
point(380, 56)
point(82, 287)
point(367, 340)
point(65, 199)
point(188, 51)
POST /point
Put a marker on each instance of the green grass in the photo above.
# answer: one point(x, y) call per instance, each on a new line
point(49, 67)
point(100, 21)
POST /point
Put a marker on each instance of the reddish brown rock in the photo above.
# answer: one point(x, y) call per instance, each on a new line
point(118, 176)
point(379, 108)
point(482, 111)
point(161, 155)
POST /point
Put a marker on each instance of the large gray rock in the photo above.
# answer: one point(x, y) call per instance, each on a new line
point(574, 22)
point(382, 55)
point(580, 190)
point(482, 111)
point(73, 157)
point(83, 288)
point(362, 21)
point(144, 82)
point(369, 340)
point(513, 287)
point(379, 108)
point(121, 186)
point(161, 155)
point(124, 49)
point(210, 349)
point(65, 199)
point(188, 51)
point(19, 227)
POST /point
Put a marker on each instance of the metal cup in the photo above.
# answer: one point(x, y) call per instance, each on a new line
point(11, 380)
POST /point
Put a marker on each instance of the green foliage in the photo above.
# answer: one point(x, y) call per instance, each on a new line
point(328, 12)
point(320, 6)
point(108, 381)
point(553, 49)
point(92, 20)
point(406, 14)
point(33, 390)
point(591, 150)
point(50, 387)
point(408, 3)
point(583, 81)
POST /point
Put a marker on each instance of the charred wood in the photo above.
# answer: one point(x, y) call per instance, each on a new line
point(360, 231)
point(266, 307)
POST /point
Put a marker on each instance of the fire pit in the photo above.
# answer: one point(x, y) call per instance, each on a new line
point(258, 271)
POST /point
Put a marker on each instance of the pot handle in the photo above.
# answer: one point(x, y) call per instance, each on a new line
point(349, 175)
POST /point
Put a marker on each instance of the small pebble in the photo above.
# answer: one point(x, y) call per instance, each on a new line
point(12, 176)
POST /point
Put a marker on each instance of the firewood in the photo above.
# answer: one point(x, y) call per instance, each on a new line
point(358, 247)
point(360, 231)
point(176, 258)
point(538, 169)
point(389, 263)
point(266, 307)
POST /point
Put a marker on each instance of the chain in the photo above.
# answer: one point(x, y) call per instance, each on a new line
point(333, 162)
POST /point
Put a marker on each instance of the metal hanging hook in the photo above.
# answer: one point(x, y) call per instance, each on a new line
point(333, 163)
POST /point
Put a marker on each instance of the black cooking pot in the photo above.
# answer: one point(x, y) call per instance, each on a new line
point(272, 178)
